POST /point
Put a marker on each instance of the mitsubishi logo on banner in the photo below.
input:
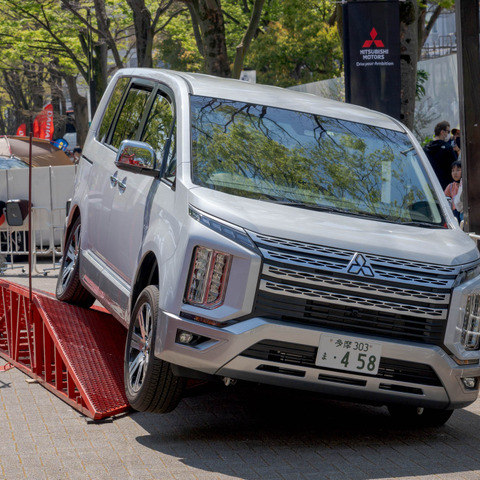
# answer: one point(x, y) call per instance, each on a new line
point(359, 265)
point(378, 53)
point(373, 36)
point(372, 54)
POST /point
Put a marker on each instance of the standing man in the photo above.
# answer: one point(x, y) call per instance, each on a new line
point(441, 154)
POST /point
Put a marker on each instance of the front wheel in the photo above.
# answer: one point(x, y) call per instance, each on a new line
point(69, 289)
point(150, 384)
point(418, 416)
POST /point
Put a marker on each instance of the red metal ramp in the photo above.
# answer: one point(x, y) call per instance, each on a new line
point(75, 353)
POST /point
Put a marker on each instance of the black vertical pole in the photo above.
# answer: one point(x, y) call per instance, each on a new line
point(468, 56)
point(91, 75)
point(29, 243)
point(346, 53)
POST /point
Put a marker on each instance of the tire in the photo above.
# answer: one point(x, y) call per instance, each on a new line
point(419, 417)
point(69, 289)
point(150, 384)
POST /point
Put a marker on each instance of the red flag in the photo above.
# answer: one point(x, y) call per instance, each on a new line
point(22, 130)
point(43, 123)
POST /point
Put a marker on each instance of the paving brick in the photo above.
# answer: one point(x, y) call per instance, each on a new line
point(223, 435)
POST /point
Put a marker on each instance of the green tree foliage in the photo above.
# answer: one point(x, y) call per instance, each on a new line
point(47, 42)
point(58, 39)
point(40, 45)
point(212, 36)
point(297, 48)
point(293, 43)
point(176, 48)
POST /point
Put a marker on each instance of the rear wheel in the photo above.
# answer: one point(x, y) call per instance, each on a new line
point(418, 416)
point(150, 385)
point(69, 289)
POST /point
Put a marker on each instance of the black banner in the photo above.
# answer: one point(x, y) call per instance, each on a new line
point(371, 37)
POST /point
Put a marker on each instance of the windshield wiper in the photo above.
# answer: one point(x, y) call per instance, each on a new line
point(408, 150)
point(332, 209)
point(311, 206)
point(422, 224)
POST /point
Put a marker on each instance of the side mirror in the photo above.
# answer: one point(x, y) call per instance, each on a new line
point(139, 155)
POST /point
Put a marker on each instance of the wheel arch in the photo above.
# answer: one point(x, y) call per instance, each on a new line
point(72, 218)
point(147, 274)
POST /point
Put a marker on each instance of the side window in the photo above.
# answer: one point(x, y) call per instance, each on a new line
point(160, 130)
point(112, 108)
point(130, 116)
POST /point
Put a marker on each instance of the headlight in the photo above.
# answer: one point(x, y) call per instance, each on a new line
point(208, 278)
point(471, 323)
point(467, 275)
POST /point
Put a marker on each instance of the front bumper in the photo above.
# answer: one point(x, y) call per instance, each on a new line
point(228, 352)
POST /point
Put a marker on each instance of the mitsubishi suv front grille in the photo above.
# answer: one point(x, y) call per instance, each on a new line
point(353, 292)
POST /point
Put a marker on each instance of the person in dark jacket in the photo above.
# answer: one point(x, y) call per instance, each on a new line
point(441, 154)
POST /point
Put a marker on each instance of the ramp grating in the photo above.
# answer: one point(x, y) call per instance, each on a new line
point(74, 352)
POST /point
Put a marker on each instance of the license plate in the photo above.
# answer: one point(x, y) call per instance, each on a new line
point(342, 352)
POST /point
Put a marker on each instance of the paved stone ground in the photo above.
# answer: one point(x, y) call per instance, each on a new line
point(242, 432)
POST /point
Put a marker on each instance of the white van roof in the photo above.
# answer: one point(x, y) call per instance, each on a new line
point(230, 89)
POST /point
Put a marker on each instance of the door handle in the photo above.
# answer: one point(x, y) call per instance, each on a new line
point(114, 179)
point(122, 185)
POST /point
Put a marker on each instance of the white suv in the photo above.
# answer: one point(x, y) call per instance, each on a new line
point(249, 232)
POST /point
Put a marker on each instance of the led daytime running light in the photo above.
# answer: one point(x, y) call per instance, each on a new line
point(467, 275)
point(231, 232)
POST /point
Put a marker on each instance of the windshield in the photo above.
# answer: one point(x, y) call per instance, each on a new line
point(310, 161)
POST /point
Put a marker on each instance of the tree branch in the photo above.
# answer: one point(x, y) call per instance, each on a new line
point(247, 38)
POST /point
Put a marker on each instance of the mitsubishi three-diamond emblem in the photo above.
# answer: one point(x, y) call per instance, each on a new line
point(359, 266)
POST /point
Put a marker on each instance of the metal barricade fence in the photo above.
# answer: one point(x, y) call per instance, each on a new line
point(51, 188)
point(47, 240)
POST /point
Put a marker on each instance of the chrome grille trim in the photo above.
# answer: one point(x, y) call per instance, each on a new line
point(353, 291)
point(336, 260)
point(358, 287)
point(353, 301)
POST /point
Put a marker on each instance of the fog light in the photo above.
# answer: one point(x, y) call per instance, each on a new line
point(469, 382)
point(185, 337)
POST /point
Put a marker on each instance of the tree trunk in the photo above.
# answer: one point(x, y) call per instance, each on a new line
point(80, 107)
point(101, 68)
point(212, 28)
point(408, 60)
point(195, 16)
point(58, 103)
point(242, 48)
point(425, 29)
point(104, 31)
point(142, 21)
point(20, 105)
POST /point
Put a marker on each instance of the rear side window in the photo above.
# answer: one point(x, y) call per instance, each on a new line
point(112, 108)
point(130, 116)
